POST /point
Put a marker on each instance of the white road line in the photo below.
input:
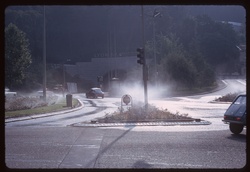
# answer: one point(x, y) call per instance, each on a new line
point(244, 83)
point(224, 82)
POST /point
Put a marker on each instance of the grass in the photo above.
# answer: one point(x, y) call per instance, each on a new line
point(59, 106)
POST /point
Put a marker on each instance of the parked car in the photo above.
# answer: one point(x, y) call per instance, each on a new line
point(40, 94)
point(9, 93)
point(95, 93)
point(236, 114)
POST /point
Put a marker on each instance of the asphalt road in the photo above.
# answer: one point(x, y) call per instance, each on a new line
point(76, 147)
point(54, 142)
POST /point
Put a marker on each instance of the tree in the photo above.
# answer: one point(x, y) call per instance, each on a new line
point(186, 67)
point(17, 56)
point(29, 20)
point(218, 42)
point(175, 64)
point(181, 69)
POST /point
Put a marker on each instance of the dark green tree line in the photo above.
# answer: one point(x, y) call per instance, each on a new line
point(195, 50)
point(204, 45)
point(17, 57)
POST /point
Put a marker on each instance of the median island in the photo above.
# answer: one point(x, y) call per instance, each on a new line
point(138, 113)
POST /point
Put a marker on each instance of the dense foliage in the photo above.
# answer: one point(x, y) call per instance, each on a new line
point(190, 47)
point(17, 56)
point(198, 49)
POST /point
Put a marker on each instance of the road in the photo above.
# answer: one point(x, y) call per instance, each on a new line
point(54, 142)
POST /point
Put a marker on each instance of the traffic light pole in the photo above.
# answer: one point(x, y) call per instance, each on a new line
point(144, 67)
point(145, 79)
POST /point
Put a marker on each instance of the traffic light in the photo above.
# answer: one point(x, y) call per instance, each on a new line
point(99, 79)
point(140, 55)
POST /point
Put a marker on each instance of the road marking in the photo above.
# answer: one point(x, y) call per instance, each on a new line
point(211, 152)
point(88, 146)
point(176, 164)
point(243, 83)
point(224, 82)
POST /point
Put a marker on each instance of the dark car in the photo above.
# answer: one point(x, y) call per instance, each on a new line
point(236, 114)
point(95, 93)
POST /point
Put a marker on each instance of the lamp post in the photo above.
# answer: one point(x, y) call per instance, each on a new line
point(44, 55)
point(63, 79)
point(156, 13)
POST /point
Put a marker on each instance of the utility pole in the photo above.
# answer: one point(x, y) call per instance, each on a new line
point(63, 68)
point(44, 55)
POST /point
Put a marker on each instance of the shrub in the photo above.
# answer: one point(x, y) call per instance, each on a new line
point(227, 98)
point(138, 113)
point(21, 103)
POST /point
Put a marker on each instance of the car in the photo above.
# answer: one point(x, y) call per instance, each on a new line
point(95, 93)
point(236, 114)
point(8, 93)
point(39, 94)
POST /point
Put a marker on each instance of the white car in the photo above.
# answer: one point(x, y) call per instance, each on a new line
point(9, 93)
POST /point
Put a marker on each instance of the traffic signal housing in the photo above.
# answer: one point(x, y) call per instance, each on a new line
point(99, 79)
point(140, 56)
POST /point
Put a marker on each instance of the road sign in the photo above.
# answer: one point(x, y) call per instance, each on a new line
point(126, 99)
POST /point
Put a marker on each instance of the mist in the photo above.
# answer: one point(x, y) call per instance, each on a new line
point(136, 90)
point(133, 86)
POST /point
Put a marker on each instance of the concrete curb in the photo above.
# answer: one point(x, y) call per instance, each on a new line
point(217, 102)
point(141, 124)
point(46, 114)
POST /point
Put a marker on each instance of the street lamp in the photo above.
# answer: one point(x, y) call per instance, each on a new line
point(44, 55)
point(156, 13)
